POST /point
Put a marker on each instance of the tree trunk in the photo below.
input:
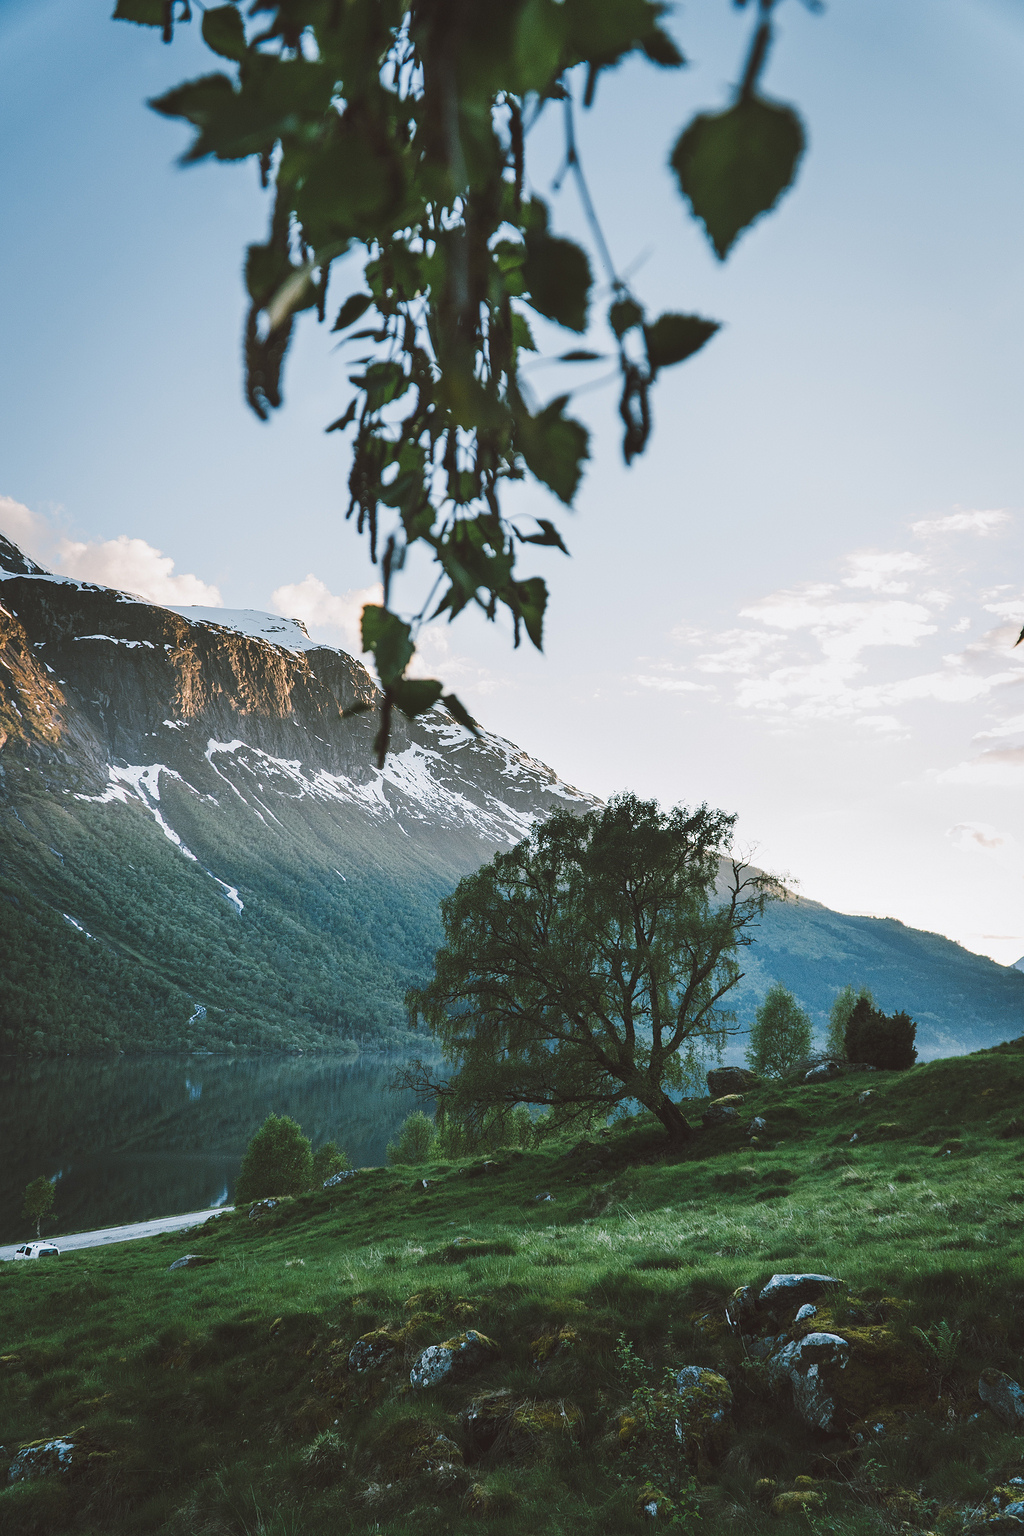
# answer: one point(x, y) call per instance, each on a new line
point(673, 1119)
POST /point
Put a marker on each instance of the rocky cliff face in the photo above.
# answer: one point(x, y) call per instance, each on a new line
point(229, 741)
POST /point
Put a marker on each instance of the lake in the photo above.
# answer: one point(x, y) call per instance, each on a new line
point(130, 1138)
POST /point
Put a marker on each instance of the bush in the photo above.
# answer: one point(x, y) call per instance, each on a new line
point(277, 1161)
point(416, 1140)
point(880, 1040)
point(512, 1128)
point(327, 1161)
point(839, 1015)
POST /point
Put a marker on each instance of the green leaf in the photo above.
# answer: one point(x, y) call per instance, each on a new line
point(580, 355)
point(623, 315)
point(522, 336)
point(554, 447)
point(343, 421)
point(735, 165)
point(549, 534)
point(674, 338)
point(661, 49)
point(538, 44)
point(459, 712)
point(533, 599)
point(389, 640)
point(355, 305)
point(145, 13)
point(415, 694)
point(224, 32)
point(557, 277)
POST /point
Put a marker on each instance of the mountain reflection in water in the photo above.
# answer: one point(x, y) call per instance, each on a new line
point(132, 1138)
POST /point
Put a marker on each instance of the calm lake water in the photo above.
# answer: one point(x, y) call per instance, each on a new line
point(136, 1137)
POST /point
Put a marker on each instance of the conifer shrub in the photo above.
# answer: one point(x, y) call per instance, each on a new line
point(880, 1040)
point(277, 1161)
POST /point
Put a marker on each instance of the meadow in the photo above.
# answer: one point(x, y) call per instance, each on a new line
point(218, 1400)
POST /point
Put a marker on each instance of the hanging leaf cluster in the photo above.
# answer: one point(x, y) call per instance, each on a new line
point(398, 128)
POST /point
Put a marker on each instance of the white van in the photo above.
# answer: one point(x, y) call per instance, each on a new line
point(37, 1251)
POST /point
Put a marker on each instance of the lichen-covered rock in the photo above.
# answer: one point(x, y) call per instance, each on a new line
point(453, 1360)
point(516, 1428)
point(808, 1310)
point(797, 1500)
point(557, 1342)
point(44, 1458)
point(731, 1080)
point(262, 1208)
point(757, 1126)
point(784, 1291)
point(1004, 1396)
point(652, 1504)
point(704, 1426)
point(813, 1366)
point(735, 1099)
point(824, 1072)
point(339, 1178)
point(372, 1351)
point(741, 1308)
point(192, 1261)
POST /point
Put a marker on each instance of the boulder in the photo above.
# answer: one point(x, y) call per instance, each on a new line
point(1004, 1396)
point(813, 1366)
point(757, 1126)
point(705, 1424)
point(731, 1080)
point(262, 1208)
point(804, 1312)
point(515, 1428)
point(453, 1360)
point(824, 1072)
point(372, 1351)
point(44, 1458)
point(720, 1114)
point(735, 1099)
point(797, 1502)
point(192, 1261)
point(784, 1291)
point(336, 1178)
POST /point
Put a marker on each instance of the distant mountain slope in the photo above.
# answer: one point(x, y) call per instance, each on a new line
point(195, 846)
point(196, 850)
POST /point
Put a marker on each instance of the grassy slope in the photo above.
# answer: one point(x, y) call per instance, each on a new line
point(218, 1400)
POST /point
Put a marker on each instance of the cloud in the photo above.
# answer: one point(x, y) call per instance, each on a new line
point(972, 836)
point(129, 564)
point(329, 616)
point(996, 769)
point(982, 523)
point(875, 571)
point(134, 566)
point(673, 685)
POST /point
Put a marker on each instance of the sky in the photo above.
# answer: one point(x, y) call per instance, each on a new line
point(800, 605)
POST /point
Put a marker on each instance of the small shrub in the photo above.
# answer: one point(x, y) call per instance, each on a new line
point(416, 1141)
point(327, 1161)
point(277, 1161)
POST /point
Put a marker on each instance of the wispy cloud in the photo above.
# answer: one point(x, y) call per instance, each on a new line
point(984, 524)
point(329, 616)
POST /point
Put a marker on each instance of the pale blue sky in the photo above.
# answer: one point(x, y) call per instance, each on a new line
point(868, 379)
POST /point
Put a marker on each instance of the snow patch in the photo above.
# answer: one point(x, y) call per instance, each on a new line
point(131, 644)
point(287, 633)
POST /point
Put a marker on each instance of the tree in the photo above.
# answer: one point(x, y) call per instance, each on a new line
point(780, 1034)
point(39, 1195)
point(400, 127)
point(839, 1013)
point(327, 1161)
point(588, 966)
point(880, 1040)
point(277, 1161)
point(415, 1142)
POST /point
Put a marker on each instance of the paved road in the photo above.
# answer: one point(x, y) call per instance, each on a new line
point(104, 1235)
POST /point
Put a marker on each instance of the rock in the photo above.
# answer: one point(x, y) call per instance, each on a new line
point(705, 1422)
point(757, 1126)
point(720, 1114)
point(42, 1459)
point(741, 1308)
point(735, 1099)
point(335, 1178)
point(813, 1365)
point(806, 1311)
point(512, 1428)
point(862, 1098)
point(783, 1291)
point(453, 1360)
point(731, 1080)
point(652, 1504)
point(796, 1501)
point(193, 1261)
point(824, 1072)
point(372, 1351)
point(262, 1208)
point(1004, 1396)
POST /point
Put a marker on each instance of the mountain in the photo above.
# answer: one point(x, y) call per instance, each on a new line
point(195, 847)
point(196, 850)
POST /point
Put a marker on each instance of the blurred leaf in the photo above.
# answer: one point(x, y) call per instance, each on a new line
point(623, 315)
point(343, 421)
point(459, 712)
point(298, 291)
point(145, 13)
point(389, 640)
point(415, 694)
point(735, 165)
point(533, 599)
point(661, 49)
point(224, 32)
point(538, 45)
point(578, 355)
point(557, 277)
point(356, 709)
point(355, 305)
point(549, 534)
point(554, 447)
point(522, 336)
point(674, 338)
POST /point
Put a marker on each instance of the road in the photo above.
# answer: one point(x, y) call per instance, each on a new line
point(104, 1235)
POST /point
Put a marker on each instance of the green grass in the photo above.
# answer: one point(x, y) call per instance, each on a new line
point(218, 1400)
